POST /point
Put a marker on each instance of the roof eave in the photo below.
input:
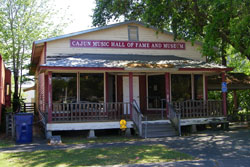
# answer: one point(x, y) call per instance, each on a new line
point(207, 69)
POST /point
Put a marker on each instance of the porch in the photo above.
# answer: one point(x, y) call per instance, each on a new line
point(97, 116)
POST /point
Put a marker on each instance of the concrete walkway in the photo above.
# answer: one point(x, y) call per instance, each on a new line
point(213, 148)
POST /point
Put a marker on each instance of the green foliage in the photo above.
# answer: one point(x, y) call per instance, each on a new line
point(22, 22)
point(217, 23)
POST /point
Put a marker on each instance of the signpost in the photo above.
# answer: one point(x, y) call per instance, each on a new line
point(224, 87)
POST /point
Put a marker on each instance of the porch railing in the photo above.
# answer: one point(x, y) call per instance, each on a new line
point(137, 117)
point(198, 108)
point(78, 112)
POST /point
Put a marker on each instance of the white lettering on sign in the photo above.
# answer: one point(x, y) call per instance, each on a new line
point(77, 43)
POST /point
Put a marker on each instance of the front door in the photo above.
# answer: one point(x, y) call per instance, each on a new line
point(135, 91)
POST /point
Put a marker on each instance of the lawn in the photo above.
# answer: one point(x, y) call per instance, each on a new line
point(93, 156)
point(4, 142)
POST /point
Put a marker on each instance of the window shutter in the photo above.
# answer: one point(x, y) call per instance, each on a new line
point(133, 33)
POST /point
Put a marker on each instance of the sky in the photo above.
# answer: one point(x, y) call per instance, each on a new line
point(78, 11)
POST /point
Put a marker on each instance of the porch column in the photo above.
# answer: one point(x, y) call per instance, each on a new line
point(46, 90)
point(131, 93)
point(46, 102)
point(192, 86)
point(205, 97)
point(106, 86)
point(224, 95)
point(167, 91)
point(1, 87)
point(49, 97)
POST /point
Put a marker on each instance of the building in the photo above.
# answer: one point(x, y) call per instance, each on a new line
point(5, 87)
point(91, 79)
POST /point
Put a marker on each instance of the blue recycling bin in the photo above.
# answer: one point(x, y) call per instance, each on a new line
point(24, 123)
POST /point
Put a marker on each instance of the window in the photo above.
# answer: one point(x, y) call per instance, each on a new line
point(198, 87)
point(180, 87)
point(156, 91)
point(7, 89)
point(133, 33)
point(91, 87)
point(64, 87)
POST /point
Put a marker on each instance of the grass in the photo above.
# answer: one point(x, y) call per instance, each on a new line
point(110, 139)
point(4, 142)
point(93, 157)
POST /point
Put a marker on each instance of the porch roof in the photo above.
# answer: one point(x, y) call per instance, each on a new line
point(128, 61)
point(235, 81)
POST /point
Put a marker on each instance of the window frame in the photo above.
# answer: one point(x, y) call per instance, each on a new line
point(129, 33)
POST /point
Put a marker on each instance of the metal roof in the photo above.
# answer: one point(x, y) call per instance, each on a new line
point(124, 60)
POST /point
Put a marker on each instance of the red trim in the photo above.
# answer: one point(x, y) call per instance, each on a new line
point(131, 92)
point(7, 80)
point(167, 89)
point(46, 89)
point(206, 69)
point(80, 68)
point(107, 86)
point(50, 97)
point(224, 95)
point(206, 93)
point(1, 88)
point(45, 52)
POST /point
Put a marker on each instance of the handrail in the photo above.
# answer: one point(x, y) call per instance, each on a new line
point(43, 116)
point(175, 118)
point(137, 117)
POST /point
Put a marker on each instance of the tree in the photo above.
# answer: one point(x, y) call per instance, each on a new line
point(22, 22)
point(217, 23)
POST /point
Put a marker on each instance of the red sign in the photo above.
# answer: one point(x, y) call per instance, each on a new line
point(77, 43)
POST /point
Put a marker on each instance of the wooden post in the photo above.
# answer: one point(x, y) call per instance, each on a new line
point(206, 90)
point(131, 93)
point(1, 87)
point(192, 86)
point(205, 97)
point(167, 91)
point(224, 95)
point(106, 87)
point(49, 97)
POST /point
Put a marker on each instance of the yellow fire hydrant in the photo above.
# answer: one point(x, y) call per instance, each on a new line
point(123, 124)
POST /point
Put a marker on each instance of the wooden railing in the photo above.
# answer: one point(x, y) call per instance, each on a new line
point(198, 108)
point(28, 107)
point(137, 117)
point(78, 112)
point(175, 118)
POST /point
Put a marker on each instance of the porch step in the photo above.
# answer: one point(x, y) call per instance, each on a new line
point(157, 129)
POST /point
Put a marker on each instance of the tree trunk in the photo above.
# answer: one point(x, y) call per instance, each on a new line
point(223, 53)
point(16, 100)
